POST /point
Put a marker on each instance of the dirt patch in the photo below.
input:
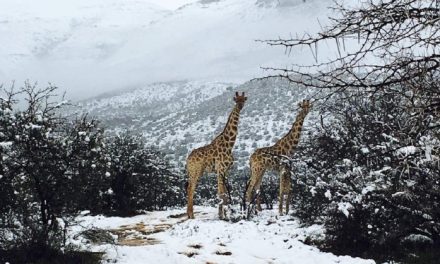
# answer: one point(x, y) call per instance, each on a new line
point(137, 235)
point(138, 241)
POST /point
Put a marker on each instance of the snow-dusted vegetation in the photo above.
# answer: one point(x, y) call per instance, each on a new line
point(104, 180)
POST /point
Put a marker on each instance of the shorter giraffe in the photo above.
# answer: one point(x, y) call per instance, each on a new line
point(215, 157)
point(285, 189)
point(270, 158)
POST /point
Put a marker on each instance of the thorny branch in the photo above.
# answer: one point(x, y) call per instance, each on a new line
point(401, 37)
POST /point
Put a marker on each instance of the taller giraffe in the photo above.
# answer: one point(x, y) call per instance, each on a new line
point(215, 157)
point(269, 158)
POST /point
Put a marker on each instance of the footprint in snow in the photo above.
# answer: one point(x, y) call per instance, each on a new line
point(196, 246)
point(223, 252)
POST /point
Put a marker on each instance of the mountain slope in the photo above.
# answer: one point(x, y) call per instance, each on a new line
point(180, 116)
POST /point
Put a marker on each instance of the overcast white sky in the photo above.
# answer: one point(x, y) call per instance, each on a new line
point(92, 46)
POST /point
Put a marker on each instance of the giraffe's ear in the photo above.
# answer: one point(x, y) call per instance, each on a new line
point(299, 105)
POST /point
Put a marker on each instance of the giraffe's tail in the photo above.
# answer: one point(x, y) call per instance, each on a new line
point(243, 204)
point(185, 188)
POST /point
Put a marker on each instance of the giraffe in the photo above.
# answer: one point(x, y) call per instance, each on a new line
point(215, 157)
point(269, 158)
point(285, 189)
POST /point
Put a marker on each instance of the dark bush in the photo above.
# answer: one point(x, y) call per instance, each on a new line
point(371, 175)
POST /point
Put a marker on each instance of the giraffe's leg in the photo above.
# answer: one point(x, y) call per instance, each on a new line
point(258, 202)
point(254, 182)
point(258, 191)
point(288, 201)
point(281, 196)
point(282, 191)
point(193, 177)
point(280, 204)
point(250, 188)
point(190, 192)
point(222, 193)
point(223, 164)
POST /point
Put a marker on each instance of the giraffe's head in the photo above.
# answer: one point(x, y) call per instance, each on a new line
point(305, 105)
point(240, 99)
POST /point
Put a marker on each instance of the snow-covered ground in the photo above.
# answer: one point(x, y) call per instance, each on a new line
point(266, 239)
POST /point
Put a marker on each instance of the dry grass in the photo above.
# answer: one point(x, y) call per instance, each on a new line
point(137, 235)
point(138, 241)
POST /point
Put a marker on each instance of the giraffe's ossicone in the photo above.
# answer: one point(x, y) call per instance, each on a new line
point(269, 158)
point(215, 157)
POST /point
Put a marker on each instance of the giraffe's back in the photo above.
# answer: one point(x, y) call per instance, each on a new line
point(265, 158)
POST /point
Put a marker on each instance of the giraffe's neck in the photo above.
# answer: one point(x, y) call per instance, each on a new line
point(288, 143)
point(229, 134)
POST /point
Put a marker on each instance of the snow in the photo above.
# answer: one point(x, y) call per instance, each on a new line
point(405, 151)
point(347, 162)
point(368, 189)
point(344, 207)
point(6, 144)
point(398, 194)
point(328, 195)
point(266, 239)
point(378, 173)
point(418, 238)
point(365, 150)
point(313, 191)
point(33, 126)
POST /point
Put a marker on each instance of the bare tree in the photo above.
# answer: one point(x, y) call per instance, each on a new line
point(397, 43)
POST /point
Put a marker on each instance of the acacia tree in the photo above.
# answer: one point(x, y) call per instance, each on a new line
point(30, 161)
point(140, 177)
point(40, 153)
point(371, 179)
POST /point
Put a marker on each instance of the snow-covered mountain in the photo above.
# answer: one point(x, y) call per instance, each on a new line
point(179, 116)
point(92, 46)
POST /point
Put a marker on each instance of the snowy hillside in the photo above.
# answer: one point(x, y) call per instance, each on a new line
point(177, 117)
point(90, 47)
point(164, 237)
